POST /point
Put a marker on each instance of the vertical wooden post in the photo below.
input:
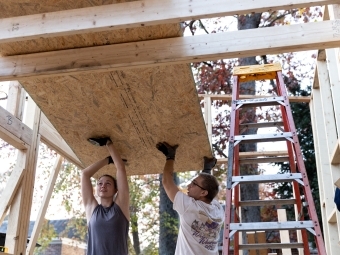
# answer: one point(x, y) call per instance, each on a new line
point(41, 215)
point(18, 224)
point(284, 234)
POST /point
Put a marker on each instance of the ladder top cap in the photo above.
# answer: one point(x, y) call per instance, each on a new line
point(257, 72)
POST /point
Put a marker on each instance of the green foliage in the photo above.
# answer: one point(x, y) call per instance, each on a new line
point(170, 224)
point(46, 236)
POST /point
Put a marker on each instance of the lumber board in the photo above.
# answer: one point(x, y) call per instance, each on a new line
point(335, 157)
point(152, 53)
point(130, 15)
point(137, 108)
point(228, 97)
point(18, 223)
point(284, 234)
point(12, 185)
point(13, 131)
point(325, 127)
point(44, 204)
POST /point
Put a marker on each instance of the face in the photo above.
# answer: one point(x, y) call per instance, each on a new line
point(196, 189)
point(106, 187)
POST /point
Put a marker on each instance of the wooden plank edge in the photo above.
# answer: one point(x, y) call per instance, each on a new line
point(335, 157)
point(292, 99)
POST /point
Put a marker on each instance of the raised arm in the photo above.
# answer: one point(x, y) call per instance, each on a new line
point(169, 184)
point(89, 200)
point(122, 199)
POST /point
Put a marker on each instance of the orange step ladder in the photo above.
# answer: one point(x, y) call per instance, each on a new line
point(297, 175)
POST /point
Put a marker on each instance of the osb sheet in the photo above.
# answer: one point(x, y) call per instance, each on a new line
point(137, 108)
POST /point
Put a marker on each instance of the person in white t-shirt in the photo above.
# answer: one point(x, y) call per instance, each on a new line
point(201, 216)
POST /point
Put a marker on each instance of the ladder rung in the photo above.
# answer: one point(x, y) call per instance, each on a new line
point(265, 101)
point(283, 136)
point(262, 125)
point(258, 226)
point(267, 178)
point(268, 202)
point(260, 246)
point(263, 160)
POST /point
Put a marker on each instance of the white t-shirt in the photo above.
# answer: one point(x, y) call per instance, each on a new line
point(200, 224)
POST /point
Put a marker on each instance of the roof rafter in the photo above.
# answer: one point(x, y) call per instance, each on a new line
point(134, 14)
point(271, 40)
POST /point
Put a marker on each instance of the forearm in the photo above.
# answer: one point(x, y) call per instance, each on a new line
point(115, 156)
point(168, 172)
point(92, 169)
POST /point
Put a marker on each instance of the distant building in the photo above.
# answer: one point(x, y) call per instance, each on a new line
point(60, 245)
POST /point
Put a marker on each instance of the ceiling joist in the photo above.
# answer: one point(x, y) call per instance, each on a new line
point(134, 14)
point(236, 44)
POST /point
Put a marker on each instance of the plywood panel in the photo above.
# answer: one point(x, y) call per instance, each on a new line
point(136, 108)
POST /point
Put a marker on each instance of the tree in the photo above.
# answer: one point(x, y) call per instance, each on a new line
point(168, 221)
point(214, 77)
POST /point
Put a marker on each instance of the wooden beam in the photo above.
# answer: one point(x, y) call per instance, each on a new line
point(332, 217)
point(16, 99)
point(292, 99)
point(51, 137)
point(12, 185)
point(235, 44)
point(335, 157)
point(134, 14)
point(18, 223)
point(255, 154)
point(284, 234)
point(46, 199)
point(13, 131)
point(324, 127)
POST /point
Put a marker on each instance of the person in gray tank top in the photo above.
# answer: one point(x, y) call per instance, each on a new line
point(108, 221)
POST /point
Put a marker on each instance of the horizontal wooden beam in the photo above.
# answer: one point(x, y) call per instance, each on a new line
point(255, 154)
point(235, 44)
point(292, 99)
point(134, 14)
point(13, 131)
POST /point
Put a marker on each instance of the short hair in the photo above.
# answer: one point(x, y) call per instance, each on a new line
point(210, 184)
point(110, 176)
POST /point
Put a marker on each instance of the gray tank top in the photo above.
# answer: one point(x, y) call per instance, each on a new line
point(107, 231)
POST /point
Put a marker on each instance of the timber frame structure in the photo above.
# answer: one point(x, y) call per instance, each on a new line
point(29, 70)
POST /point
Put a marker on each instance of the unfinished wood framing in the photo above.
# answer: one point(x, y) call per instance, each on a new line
point(324, 124)
point(132, 15)
point(41, 214)
point(121, 69)
point(152, 53)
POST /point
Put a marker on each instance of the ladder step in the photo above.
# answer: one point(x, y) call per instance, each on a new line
point(257, 72)
point(258, 226)
point(260, 138)
point(267, 178)
point(265, 101)
point(263, 160)
point(260, 246)
point(268, 202)
point(262, 125)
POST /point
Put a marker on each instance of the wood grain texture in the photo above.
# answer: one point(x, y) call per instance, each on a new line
point(137, 107)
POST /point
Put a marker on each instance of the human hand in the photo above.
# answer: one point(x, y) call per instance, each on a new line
point(168, 150)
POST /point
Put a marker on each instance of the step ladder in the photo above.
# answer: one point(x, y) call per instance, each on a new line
point(297, 176)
